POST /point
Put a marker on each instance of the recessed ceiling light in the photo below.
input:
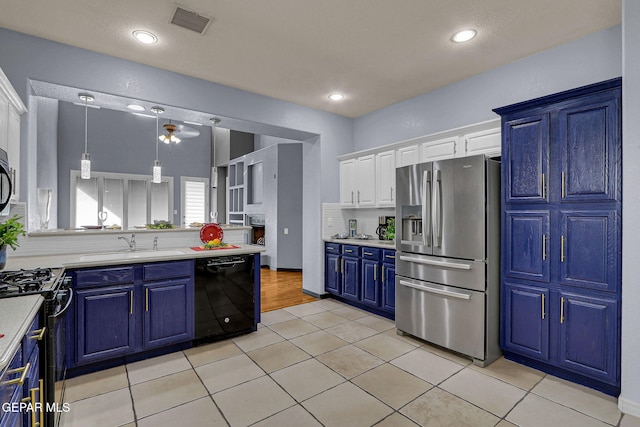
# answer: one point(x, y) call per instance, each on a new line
point(336, 97)
point(145, 36)
point(463, 36)
point(135, 107)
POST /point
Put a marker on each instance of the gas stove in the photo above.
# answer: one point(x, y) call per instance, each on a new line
point(27, 282)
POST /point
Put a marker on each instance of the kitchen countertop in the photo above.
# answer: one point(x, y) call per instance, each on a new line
point(374, 243)
point(16, 315)
point(83, 231)
point(165, 254)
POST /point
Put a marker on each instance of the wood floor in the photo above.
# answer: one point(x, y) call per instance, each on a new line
point(279, 289)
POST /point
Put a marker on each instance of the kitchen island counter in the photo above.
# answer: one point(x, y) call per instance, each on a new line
point(83, 260)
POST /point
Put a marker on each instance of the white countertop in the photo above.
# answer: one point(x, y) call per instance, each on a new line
point(16, 315)
point(83, 231)
point(373, 243)
point(166, 254)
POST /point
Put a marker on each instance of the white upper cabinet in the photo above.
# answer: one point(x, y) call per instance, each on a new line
point(485, 142)
point(11, 108)
point(409, 155)
point(439, 150)
point(348, 183)
point(386, 178)
point(358, 182)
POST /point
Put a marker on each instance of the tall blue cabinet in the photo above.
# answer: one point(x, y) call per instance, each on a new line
point(561, 234)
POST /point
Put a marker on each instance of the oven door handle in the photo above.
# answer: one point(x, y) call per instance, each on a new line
point(66, 307)
point(438, 291)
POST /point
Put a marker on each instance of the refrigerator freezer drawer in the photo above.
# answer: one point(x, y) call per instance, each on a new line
point(447, 316)
point(450, 271)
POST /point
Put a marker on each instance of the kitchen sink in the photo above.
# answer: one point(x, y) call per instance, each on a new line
point(114, 256)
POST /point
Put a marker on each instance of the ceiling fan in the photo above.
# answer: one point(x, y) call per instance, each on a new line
point(177, 132)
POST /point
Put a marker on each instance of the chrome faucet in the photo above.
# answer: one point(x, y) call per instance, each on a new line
point(131, 242)
point(155, 243)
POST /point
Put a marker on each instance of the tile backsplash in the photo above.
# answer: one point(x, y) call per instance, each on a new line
point(335, 219)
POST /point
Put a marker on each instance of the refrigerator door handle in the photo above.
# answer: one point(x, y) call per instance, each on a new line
point(437, 263)
point(437, 233)
point(426, 208)
point(438, 291)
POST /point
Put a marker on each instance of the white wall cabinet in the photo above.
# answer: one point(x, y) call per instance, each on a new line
point(485, 142)
point(11, 108)
point(439, 149)
point(409, 155)
point(386, 178)
point(358, 182)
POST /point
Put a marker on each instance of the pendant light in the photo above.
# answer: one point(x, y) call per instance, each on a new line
point(157, 166)
point(85, 162)
point(214, 170)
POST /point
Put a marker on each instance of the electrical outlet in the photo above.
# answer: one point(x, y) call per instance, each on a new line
point(286, 231)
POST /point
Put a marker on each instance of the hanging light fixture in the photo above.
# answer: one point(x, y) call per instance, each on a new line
point(214, 170)
point(85, 162)
point(170, 137)
point(157, 166)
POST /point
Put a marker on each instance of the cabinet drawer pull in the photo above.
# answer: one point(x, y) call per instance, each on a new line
point(20, 380)
point(544, 247)
point(562, 249)
point(368, 253)
point(562, 310)
point(38, 334)
point(563, 189)
point(543, 314)
point(544, 191)
point(390, 256)
point(146, 299)
point(348, 250)
point(130, 302)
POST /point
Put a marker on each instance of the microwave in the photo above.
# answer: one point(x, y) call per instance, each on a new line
point(6, 185)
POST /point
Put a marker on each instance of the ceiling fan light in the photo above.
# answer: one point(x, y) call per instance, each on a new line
point(164, 139)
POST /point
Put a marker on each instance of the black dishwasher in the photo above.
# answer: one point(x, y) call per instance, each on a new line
point(226, 303)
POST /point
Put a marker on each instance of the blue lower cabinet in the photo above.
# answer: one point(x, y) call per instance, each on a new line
point(362, 276)
point(117, 320)
point(168, 312)
point(105, 323)
point(526, 320)
point(370, 282)
point(588, 334)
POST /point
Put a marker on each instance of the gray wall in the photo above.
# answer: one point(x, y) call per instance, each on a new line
point(290, 246)
point(124, 143)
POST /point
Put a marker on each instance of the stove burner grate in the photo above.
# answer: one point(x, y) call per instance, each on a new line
point(23, 281)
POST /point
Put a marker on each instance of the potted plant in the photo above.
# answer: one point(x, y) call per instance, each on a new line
point(9, 232)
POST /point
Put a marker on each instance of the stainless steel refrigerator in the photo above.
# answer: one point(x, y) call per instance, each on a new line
point(448, 259)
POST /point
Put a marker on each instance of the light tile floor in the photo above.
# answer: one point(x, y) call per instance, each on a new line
point(327, 364)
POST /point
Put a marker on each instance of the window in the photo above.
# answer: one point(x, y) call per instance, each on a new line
point(194, 199)
point(128, 200)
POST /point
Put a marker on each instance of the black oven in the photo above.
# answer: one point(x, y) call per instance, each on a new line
point(6, 184)
point(56, 305)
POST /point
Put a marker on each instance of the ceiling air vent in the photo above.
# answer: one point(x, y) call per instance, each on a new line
point(190, 20)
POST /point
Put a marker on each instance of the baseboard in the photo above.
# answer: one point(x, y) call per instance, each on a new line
point(629, 406)
point(293, 270)
point(313, 294)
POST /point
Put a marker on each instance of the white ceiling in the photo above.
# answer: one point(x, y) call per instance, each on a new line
point(377, 52)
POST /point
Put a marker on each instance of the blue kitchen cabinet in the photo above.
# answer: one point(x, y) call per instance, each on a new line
point(526, 244)
point(332, 271)
point(128, 309)
point(561, 234)
point(525, 325)
point(525, 158)
point(388, 302)
point(370, 282)
point(588, 131)
point(351, 274)
point(105, 321)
